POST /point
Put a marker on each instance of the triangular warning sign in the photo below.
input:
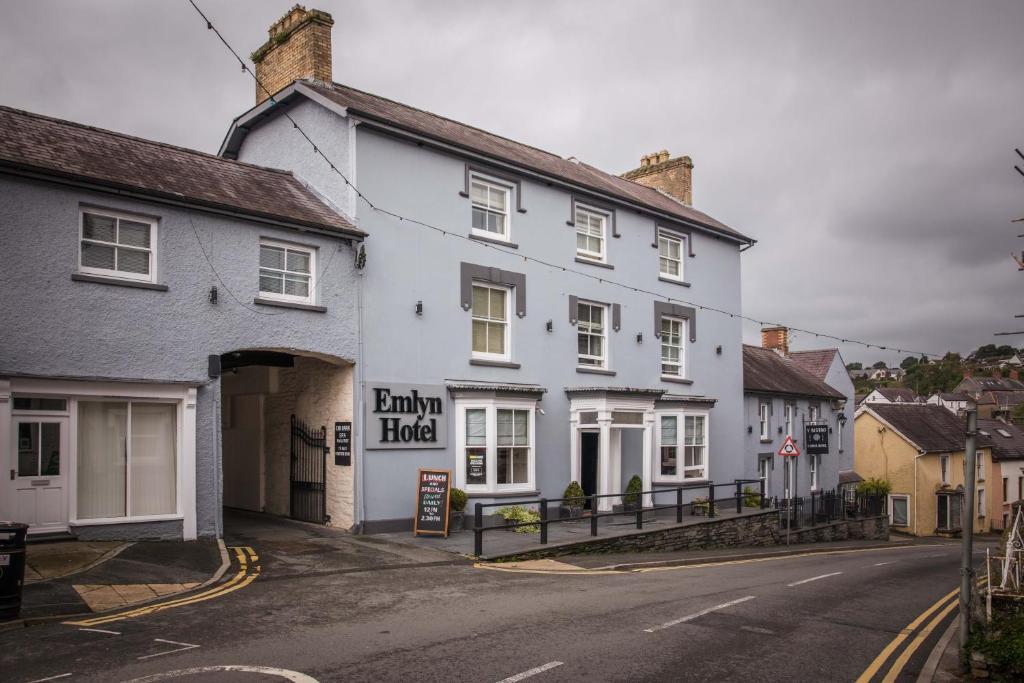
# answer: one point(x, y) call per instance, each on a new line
point(789, 448)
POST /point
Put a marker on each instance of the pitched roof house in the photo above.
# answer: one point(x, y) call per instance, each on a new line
point(891, 395)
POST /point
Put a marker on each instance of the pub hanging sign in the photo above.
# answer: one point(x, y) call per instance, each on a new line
point(816, 439)
point(404, 416)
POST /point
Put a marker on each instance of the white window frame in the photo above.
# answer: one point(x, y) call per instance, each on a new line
point(602, 255)
point(944, 469)
point(814, 465)
point(681, 241)
point(681, 365)
point(906, 499)
point(813, 413)
point(683, 471)
point(764, 473)
point(118, 216)
point(605, 322)
point(498, 186)
point(789, 416)
point(491, 406)
point(481, 355)
point(764, 420)
point(979, 459)
point(289, 246)
point(981, 502)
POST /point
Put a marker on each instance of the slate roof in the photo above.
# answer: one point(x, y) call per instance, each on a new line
point(765, 371)
point(975, 384)
point(1004, 447)
point(35, 144)
point(817, 362)
point(947, 396)
point(929, 427)
point(1001, 398)
point(894, 393)
point(373, 108)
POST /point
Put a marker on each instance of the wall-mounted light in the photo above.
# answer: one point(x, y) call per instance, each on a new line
point(639, 337)
point(750, 429)
point(780, 429)
point(842, 419)
point(419, 308)
point(718, 350)
point(213, 294)
point(549, 325)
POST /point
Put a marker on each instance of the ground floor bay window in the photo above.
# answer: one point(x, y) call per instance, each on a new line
point(496, 447)
point(126, 459)
point(682, 447)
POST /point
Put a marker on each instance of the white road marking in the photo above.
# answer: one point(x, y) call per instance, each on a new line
point(51, 678)
point(813, 578)
point(531, 672)
point(288, 675)
point(757, 629)
point(101, 630)
point(701, 613)
point(879, 564)
point(185, 646)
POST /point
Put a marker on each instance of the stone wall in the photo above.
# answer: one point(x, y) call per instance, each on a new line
point(754, 530)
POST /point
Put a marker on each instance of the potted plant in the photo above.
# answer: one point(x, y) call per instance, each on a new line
point(631, 499)
point(751, 497)
point(457, 509)
point(573, 501)
point(701, 506)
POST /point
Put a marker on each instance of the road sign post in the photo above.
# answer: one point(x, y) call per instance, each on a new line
point(789, 450)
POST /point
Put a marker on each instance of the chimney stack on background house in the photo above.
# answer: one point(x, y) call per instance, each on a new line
point(299, 46)
point(671, 176)
point(776, 339)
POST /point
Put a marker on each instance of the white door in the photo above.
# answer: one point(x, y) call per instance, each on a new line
point(39, 472)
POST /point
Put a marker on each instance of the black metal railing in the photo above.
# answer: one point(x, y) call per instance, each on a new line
point(308, 472)
point(824, 507)
point(543, 504)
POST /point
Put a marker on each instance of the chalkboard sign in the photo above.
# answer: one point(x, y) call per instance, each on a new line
point(343, 443)
point(432, 491)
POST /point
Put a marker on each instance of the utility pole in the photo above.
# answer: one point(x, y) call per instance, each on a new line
point(967, 522)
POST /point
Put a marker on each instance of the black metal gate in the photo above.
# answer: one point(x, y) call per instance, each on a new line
point(309, 472)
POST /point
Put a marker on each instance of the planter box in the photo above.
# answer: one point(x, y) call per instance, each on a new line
point(570, 512)
point(457, 520)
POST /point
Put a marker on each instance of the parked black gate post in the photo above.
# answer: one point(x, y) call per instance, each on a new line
point(593, 515)
point(760, 485)
point(478, 534)
point(308, 474)
point(679, 506)
point(543, 520)
point(711, 499)
point(739, 497)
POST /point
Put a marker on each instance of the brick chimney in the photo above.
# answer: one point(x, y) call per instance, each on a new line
point(671, 176)
point(299, 46)
point(776, 339)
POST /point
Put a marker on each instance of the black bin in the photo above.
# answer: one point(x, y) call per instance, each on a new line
point(12, 568)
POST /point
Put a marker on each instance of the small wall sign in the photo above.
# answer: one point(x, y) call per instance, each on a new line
point(343, 444)
point(433, 488)
point(404, 416)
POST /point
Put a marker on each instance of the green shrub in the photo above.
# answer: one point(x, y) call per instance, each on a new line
point(751, 497)
point(702, 505)
point(457, 500)
point(874, 487)
point(633, 489)
point(517, 515)
point(1002, 643)
point(573, 495)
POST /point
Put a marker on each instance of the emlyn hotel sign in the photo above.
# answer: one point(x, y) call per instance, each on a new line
point(401, 416)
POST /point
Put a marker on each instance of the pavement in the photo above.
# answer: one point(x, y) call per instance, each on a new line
point(328, 608)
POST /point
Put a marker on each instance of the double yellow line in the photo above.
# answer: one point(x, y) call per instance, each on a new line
point(248, 570)
point(943, 606)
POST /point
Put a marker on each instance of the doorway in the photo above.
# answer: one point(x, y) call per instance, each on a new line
point(589, 446)
point(40, 472)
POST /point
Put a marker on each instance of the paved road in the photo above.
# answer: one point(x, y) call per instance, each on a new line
point(812, 618)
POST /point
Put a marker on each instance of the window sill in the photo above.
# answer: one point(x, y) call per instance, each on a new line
point(678, 484)
point(595, 371)
point(117, 282)
point(501, 494)
point(492, 240)
point(676, 380)
point(763, 440)
point(126, 520)
point(592, 262)
point(494, 363)
point(259, 301)
point(681, 283)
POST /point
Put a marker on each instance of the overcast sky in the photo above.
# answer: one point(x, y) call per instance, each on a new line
point(867, 146)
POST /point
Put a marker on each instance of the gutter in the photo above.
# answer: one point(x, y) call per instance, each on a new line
point(159, 198)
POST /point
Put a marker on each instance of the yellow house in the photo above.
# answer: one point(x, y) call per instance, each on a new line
point(919, 449)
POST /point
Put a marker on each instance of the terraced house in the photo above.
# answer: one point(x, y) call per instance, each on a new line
point(538, 374)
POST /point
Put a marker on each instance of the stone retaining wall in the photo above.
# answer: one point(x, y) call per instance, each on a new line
point(759, 529)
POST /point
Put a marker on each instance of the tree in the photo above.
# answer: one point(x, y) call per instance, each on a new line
point(854, 366)
point(908, 362)
point(880, 365)
point(932, 377)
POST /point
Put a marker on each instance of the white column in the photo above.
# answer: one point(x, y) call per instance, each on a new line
point(6, 456)
point(648, 466)
point(604, 477)
point(187, 478)
point(615, 465)
point(574, 446)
